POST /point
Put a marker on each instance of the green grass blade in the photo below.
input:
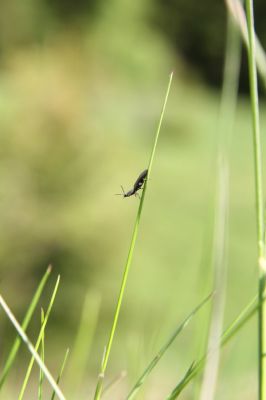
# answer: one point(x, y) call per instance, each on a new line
point(237, 12)
point(164, 348)
point(26, 379)
point(130, 254)
point(42, 357)
point(30, 347)
point(226, 121)
point(25, 323)
point(83, 341)
point(241, 320)
point(231, 331)
point(61, 372)
point(253, 81)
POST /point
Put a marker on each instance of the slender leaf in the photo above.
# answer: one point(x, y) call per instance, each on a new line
point(61, 372)
point(231, 331)
point(26, 379)
point(165, 347)
point(42, 357)
point(83, 341)
point(238, 14)
point(31, 349)
point(25, 323)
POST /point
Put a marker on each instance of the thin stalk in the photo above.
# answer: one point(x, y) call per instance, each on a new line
point(31, 348)
point(259, 200)
point(83, 341)
point(40, 388)
point(37, 344)
point(24, 325)
point(231, 331)
point(130, 254)
point(220, 246)
point(61, 372)
point(238, 13)
point(163, 349)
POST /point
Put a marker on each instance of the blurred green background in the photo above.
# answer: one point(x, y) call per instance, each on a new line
point(81, 88)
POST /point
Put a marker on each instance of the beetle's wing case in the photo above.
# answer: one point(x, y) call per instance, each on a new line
point(143, 175)
point(139, 182)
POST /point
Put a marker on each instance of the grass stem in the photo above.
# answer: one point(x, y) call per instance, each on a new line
point(259, 199)
point(130, 254)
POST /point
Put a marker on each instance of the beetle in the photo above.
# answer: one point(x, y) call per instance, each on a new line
point(137, 185)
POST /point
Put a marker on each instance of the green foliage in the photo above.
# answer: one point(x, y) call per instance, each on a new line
point(14, 349)
point(77, 112)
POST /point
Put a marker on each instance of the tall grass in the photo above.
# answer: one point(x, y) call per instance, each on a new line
point(220, 240)
point(208, 361)
point(259, 199)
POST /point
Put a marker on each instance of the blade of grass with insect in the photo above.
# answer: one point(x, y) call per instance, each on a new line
point(230, 332)
point(31, 349)
point(40, 387)
point(27, 376)
point(12, 354)
point(259, 201)
point(83, 341)
point(130, 254)
point(61, 372)
point(164, 348)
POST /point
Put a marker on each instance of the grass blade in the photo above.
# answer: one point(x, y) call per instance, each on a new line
point(83, 341)
point(165, 347)
point(253, 80)
point(61, 372)
point(130, 254)
point(220, 270)
point(25, 382)
point(42, 357)
point(31, 349)
point(231, 331)
point(25, 323)
point(226, 120)
point(237, 12)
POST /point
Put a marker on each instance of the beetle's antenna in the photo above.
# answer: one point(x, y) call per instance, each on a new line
point(121, 194)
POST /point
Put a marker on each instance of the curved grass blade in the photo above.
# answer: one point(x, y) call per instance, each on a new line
point(233, 328)
point(130, 255)
point(26, 379)
point(61, 372)
point(25, 323)
point(165, 347)
point(31, 349)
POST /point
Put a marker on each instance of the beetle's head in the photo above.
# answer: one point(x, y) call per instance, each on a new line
point(129, 193)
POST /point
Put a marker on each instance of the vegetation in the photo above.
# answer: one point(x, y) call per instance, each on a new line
point(78, 111)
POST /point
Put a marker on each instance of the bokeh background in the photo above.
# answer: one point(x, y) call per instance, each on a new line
point(81, 88)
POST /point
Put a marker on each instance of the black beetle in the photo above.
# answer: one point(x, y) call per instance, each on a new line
point(137, 185)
